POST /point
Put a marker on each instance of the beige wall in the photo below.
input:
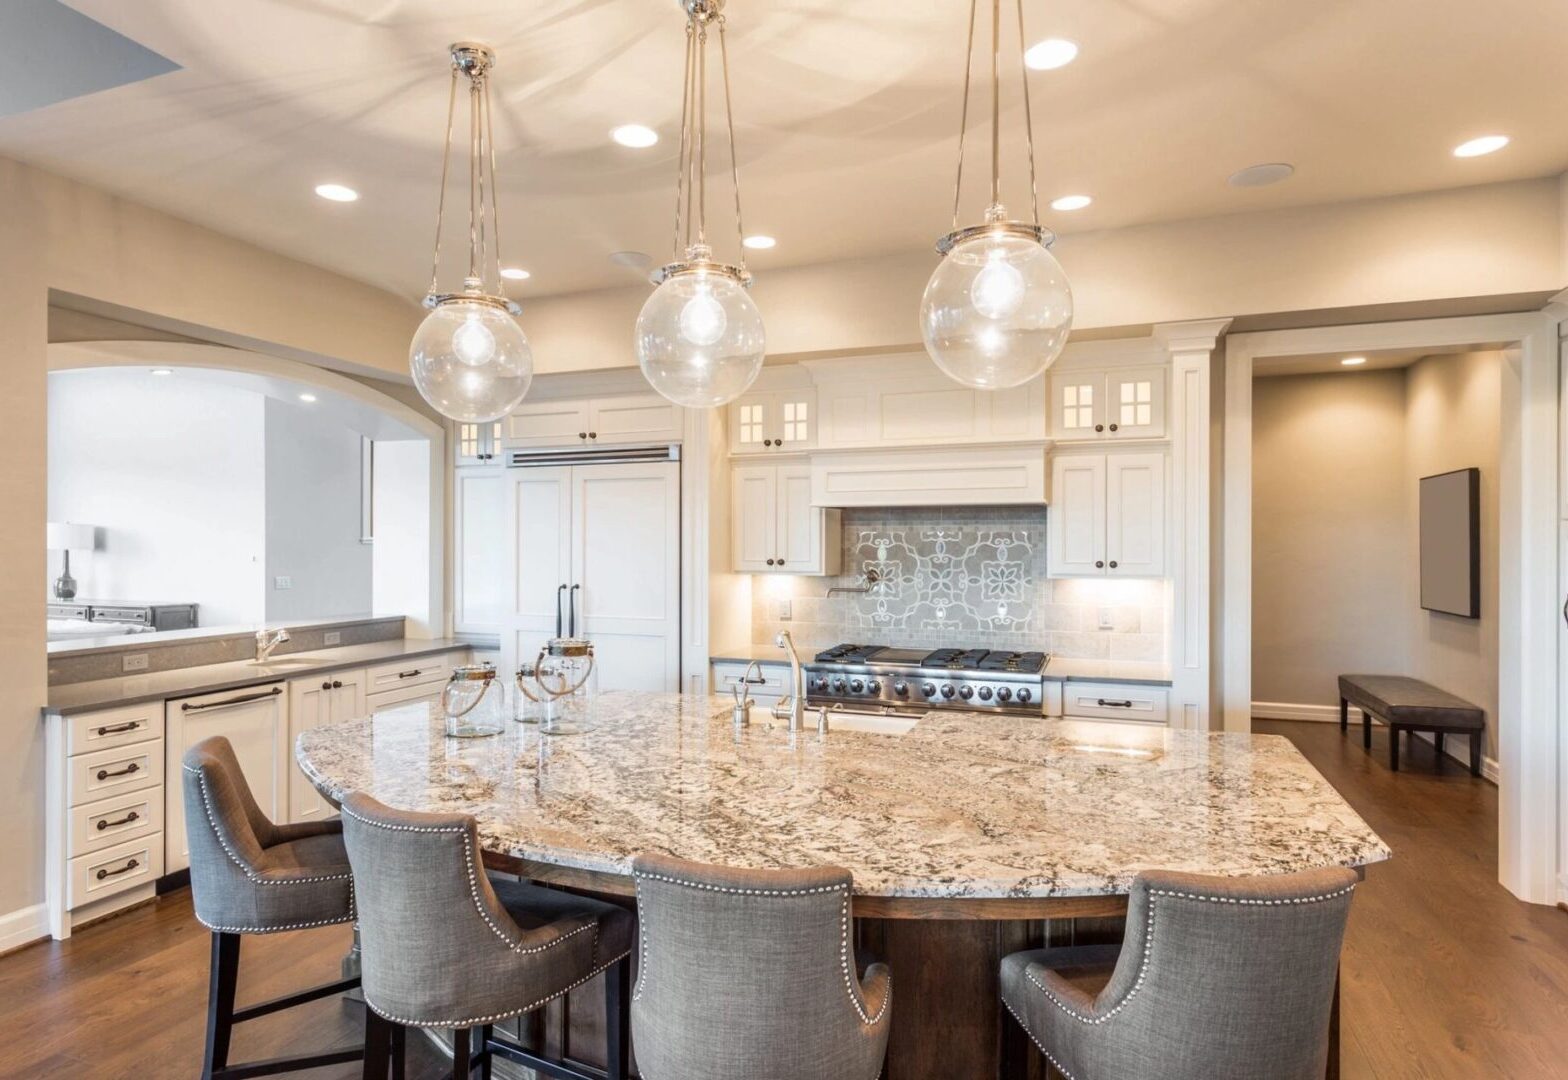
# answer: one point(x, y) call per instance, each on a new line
point(1452, 408)
point(1481, 241)
point(1330, 592)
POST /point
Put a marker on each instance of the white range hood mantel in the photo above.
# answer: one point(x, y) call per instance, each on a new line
point(1011, 474)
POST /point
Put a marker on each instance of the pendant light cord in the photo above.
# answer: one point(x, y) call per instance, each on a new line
point(963, 123)
point(495, 193)
point(683, 163)
point(1023, 72)
point(996, 102)
point(475, 192)
point(446, 163)
point(996, 110)
point(702, 134)
point(729, 117)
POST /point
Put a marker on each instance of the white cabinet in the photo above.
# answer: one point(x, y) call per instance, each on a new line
point(766, 684)
point(1107, 515)
point(314, 702)
point(773, 526)
point(255, 721)
point(1123, 403)
point(479, 549)
point(627, 419)
point(1116, 701)
point(773, 421)
point(601, 542)
point(477, 444)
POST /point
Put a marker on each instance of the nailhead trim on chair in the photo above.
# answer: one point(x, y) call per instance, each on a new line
point(516, 946)
point(1148, 943)
point(1038, 1043)
point(844, 964)
point(206, 802)
point(273, 929)
point(471, 1021)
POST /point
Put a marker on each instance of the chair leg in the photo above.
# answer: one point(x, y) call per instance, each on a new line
point(617, 1019)
point(1437, 741)
point(1475, 753)
point(461, 1063)
point(399, 1052)
point(1344, 716)
point(1366, 730)
point(378, 1046)
point(223, 976)
point(485, 1057)
point(1393, 748)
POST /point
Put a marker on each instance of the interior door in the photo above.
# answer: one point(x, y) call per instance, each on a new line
point(1075, 521)
point(626, 547)
point(1135, 515)
point(753, 522)
point(538, 510)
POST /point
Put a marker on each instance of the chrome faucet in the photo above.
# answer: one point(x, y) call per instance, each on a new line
point(267, 641)
point(793, 706)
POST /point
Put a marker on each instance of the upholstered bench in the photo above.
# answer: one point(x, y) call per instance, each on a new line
point(1407, 704)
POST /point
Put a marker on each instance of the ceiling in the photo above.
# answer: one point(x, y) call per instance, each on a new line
point(1327, 363)
point(847, 117)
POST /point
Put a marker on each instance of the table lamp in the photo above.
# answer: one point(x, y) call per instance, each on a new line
point(67, 537)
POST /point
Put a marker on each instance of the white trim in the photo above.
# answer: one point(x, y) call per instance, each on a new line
point(1529, 746)
point(1329, 714)
point(23, 927)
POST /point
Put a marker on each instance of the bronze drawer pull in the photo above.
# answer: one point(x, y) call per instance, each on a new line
point(115, 729)
point(410, 674)
point(105, 823)
point(186, 706)
point(1114, 704)
point(127, 868)
point(133, 767)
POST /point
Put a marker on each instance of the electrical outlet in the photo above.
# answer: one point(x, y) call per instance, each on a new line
point(134, 662)
point(332, 637)
point(1107, 619)
point(785, 611)
point(282, 582)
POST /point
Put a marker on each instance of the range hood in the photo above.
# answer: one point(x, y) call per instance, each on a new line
point(1011, 474)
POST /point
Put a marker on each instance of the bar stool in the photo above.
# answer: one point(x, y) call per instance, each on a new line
point(249, 876)
point(1217, 977)
point(751, 973)
point(445, 946)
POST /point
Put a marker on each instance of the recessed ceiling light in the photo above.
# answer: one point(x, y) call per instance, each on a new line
point(759, 242)
point(307, 397)
point(516, 273)
point(1353, 361)
point(636, 136)
point(162, 371)
point(633, 260)
point(1071, 202)
point(1050, 54)
point(1262, 175)
point(336, 192)
point(1486, 144)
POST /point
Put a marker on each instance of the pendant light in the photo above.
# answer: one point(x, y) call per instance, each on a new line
point(469, 357)
point(998, 309)
point(700, 340)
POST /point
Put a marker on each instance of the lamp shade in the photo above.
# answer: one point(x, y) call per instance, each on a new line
point(68, 536)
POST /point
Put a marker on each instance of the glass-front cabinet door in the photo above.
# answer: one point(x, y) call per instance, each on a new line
point(1078, 405)
point(478, 444)
point(773, 421)
point(1137, 403)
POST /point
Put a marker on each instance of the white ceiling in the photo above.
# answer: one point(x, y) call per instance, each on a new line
point(847, 117)
point(1328, 363)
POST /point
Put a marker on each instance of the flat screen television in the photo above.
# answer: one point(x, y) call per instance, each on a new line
point(1451, 543)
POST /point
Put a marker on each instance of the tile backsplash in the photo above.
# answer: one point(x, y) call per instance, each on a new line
point(962, 576)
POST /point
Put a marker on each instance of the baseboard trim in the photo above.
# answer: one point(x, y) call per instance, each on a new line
point(1329, 714)
point(23, 927)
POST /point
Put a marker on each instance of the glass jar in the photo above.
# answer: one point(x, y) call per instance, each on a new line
point(559, 686)
point(474, 702)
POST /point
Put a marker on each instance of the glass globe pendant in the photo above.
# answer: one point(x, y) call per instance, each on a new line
point(469, 358)
point(700, 340)
point(997, 310)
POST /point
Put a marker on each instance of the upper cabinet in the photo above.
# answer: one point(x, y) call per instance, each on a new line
point(601, 421)
point(774, 528)
point(1107, 515)
point(773, 421)
point(1122, 403)
point(478, 444)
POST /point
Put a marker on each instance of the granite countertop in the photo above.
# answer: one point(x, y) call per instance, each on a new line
point(964, 805)
point(209, 678)
point(1061, 669)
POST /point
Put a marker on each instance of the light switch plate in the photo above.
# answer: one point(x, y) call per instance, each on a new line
point(332, 637)
point(1107, 619)
point(282, 582)
point(785, 611)
point(134, 662)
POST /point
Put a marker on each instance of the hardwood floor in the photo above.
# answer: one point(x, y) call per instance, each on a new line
point(1445, 974)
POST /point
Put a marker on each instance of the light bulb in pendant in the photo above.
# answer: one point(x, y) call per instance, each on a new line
point(473, 342)
point(998, 289)
point(703, 321)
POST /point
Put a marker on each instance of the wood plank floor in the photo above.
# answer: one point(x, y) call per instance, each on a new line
point(1445, 974)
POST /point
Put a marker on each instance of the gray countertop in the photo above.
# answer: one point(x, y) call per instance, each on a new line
point(1061, 669)
point(209, 678)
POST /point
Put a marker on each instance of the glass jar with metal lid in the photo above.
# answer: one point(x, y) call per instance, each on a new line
point(474, 702)
point(559, 685)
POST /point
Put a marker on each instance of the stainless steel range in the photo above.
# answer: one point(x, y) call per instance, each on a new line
point(867, 678)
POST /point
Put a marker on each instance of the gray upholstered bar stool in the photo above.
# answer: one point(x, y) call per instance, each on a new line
point(1217, 978)
point(249, 876)
point(750, 973)
point(442, 945)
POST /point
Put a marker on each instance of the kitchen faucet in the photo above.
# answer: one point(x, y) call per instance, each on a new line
point(793, 706)
point(266, 642)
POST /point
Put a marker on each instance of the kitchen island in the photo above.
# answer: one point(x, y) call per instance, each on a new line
point(969, 837)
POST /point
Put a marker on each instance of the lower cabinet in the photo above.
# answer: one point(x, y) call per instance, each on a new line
point(1116, 701)
point(313, 702)
point(774, 529)
point(766, 685)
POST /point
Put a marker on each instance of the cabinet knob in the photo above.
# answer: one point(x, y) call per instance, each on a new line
point(1113, 427)
point(1099, 427)
point(1113, 564)
point(770, 562)
point(326, 685)
point(593, 434)
point(336, 685)
point(582, 434)
point(767, 442)
point(1099, 564)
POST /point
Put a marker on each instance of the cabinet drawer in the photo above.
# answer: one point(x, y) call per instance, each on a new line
point(391, 699)
point(767, 680)
point(102, 824)
point(115, 727)
point(116, 770)
point(415, 672)
point(1111, 701)
point(113, 870)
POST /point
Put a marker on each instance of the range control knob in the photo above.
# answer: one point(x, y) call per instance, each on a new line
point(947, 690)
point(985, 693)
point(856, 686)
point(966, 692)
point(900, 687)
point(1024, 694)
point(873, 687)
point(838, 685)
point(928, 689)
point(1004, 693)
point(819, 683)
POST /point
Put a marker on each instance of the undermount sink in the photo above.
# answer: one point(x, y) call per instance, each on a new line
point(871, 723)
point(286, 662)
